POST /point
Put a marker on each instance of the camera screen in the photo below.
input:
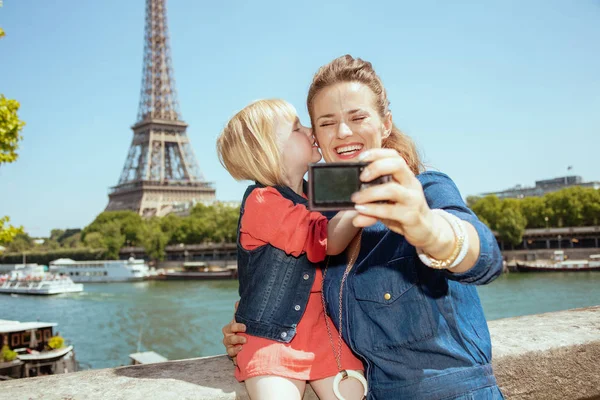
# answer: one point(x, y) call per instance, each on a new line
point(335, 185)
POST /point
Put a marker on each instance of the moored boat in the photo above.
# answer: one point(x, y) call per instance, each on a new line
point(560, 263)
point(48, 285)
point(101, 270)
point(33, 349)
point(199, 271)
point(32, 279)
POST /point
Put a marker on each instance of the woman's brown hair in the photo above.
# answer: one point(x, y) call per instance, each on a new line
point(350, 69)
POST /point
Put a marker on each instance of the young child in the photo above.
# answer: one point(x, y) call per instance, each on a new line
point(279, 243)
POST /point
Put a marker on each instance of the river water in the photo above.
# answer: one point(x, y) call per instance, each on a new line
point(183, 319)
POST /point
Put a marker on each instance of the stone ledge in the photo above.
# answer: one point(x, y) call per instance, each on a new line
point(545, 356)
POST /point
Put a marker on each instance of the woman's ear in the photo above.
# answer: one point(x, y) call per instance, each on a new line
point(315, 137)
point(387, 125)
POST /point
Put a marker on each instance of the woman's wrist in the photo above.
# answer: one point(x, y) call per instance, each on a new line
point(443, 240)
point(460, 245)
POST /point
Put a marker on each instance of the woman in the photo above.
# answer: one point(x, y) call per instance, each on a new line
point(407, 305)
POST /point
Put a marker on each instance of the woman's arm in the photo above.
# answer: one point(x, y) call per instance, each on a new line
point(408, 212)
point(340, 232)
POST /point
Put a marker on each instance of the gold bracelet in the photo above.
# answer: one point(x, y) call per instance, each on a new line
point(459, 235)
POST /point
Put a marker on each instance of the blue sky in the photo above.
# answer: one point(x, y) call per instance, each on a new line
point(495, 93)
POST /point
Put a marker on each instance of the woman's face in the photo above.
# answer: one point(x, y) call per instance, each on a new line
point(346, 121)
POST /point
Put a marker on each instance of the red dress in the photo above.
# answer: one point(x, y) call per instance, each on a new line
point(270, 218)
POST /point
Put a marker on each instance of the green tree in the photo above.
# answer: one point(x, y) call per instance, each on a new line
point(511, 225)
point(488, 209)
point(95, 240)
point(113, 238)
point(566, 206)
point(154, 239)
point(128, 222)
point(8, 233)
point(10, 136)
point(68, 234)
point(73, 241)
point(171, 225)
point(227, 221)
point(591, 206)
point(55, 234)
point(471, 200)
point(21, 242)
point(536, 211)
point(50, 244)
point(10, 129)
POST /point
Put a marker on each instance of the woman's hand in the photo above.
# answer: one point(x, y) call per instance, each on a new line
point(233, 342)
point(405, 210)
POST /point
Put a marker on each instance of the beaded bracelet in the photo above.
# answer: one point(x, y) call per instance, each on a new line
point(460, 250)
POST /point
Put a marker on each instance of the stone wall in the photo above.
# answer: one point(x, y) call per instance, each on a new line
point(546, 356)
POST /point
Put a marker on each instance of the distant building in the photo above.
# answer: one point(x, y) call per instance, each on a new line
point(543, 187)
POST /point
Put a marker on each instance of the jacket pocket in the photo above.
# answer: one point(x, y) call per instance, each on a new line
point(392, 307)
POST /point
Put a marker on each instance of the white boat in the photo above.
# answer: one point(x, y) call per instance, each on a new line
point(101, 270)
point(49, 284)
point(33, 279)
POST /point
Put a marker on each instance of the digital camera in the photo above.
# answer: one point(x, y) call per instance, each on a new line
point(330, 185)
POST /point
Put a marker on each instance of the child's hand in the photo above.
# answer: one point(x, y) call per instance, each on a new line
point(232, 341)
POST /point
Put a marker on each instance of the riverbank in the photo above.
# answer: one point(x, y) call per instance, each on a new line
point(546, 356)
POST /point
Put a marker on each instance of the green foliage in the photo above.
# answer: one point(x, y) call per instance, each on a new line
point(537, 212)
point(73, 242)
point(112, 230)
point(56, 342)
point(128, 223)
point(488, 209)
point(471, 200)
point(511, 225)
point(95, 240)
point(8, 233)
point(575, 206)
point(20, 243)
point(44, 257)
point(113, 238)
point(10, 129)
point(171, 225)
point(591, 207)
point(6, 354)
point(10, 136)
point(154, 239)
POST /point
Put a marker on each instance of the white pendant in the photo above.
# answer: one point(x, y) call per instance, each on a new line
point(345, 374)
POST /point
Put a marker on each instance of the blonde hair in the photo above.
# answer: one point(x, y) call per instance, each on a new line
point(350, 69)
point(247, 147)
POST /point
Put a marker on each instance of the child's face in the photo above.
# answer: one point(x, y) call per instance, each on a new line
point(297, 146)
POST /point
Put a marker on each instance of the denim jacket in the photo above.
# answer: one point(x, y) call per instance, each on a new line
point(420, 332)
point(274, 287)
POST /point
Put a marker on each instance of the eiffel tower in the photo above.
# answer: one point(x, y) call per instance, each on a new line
point(161, 170)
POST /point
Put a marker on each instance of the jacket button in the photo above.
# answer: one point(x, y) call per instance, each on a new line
point(297, 307)
point(387, 296)
point(283, 335)
point(306, 276)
